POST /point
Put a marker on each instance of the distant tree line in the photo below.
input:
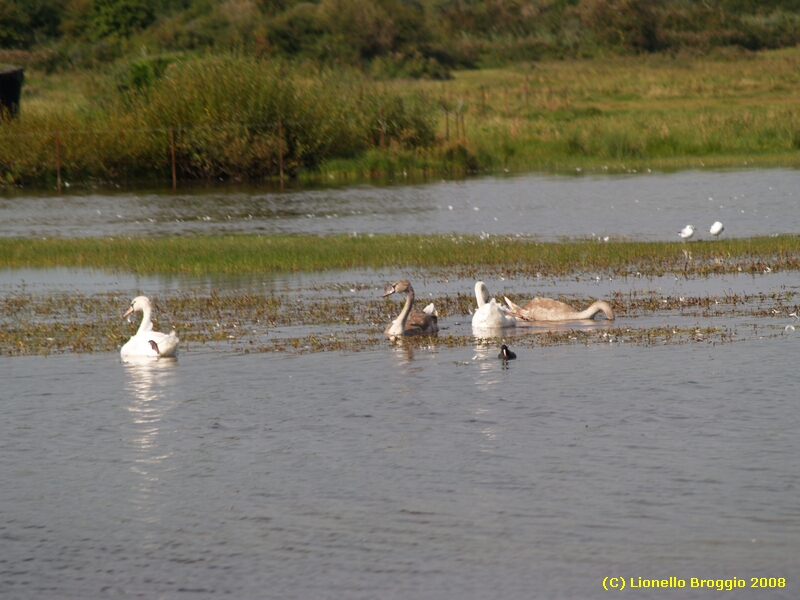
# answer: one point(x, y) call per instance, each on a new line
point(387, 38)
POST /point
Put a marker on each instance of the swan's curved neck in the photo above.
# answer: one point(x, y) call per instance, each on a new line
point(398, 326)
point(403, 316)
point(481, 293)
point(146, 324)
point(596, 307)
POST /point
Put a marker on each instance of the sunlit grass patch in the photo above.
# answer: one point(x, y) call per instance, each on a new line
point(254, 254)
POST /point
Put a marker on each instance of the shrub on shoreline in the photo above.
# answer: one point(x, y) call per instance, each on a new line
point(228, 116)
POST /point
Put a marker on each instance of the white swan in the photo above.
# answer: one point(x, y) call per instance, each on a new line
point(411, 322)
point(490, 315)
point(547, 309)
point(716, 229)
point(147, 342)
point(687, 232)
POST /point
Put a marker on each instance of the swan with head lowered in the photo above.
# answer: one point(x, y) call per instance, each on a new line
point(547, 309)
point(490, 314)
point(411, 322)
point(147, 342)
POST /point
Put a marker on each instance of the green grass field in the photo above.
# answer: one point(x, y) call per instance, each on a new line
point(250, 254)
point(619, 113)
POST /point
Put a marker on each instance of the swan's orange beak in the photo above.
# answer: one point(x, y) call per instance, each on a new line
point(389, 292)
point(129, 311)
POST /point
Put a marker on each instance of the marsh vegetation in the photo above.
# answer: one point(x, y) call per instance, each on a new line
point(261, 118)
point(332, 318)
point(462, 254)
point(331, 89)
point(351, 316)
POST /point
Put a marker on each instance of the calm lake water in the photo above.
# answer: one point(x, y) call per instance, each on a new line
point(409, 471)
point(398, 473)
point(641, 206)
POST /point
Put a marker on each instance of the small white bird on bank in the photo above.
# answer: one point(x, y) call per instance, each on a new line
point(687, 232)
point(716, 229)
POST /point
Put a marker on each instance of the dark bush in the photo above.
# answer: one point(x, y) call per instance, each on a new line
point(623, 25)
point(118, 18)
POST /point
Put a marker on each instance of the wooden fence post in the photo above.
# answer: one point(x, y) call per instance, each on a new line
point(280, 148)
point(383, 133)
point(58, 162)
point(172, 149)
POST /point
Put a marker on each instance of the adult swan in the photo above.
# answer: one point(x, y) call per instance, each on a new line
point(411, 322)
point(147, 342)
point(490, 315)
point(547, 309)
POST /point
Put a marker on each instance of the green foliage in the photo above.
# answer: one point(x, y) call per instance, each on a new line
point(623, 25)
point(414, 66)
point(141, 73)
point(331, 114)
point(759, 6)
point(396, 38)
point(13, 25)
point(230, 116)
point(289, 32)
point(119, 18)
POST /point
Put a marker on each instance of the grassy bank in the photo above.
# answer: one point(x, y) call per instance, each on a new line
point(248, 255)
point(205, 118)
point(619, 113)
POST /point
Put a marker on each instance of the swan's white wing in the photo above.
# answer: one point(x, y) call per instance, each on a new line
point(492, 316)
point(167, 344)
point(139, 345)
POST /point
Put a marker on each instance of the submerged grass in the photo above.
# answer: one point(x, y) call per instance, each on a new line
point(35, 323)
point(254, 254)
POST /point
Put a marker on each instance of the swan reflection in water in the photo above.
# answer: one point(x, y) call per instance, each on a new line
point(148, 396)
point(410, 357)
point(489, 369)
